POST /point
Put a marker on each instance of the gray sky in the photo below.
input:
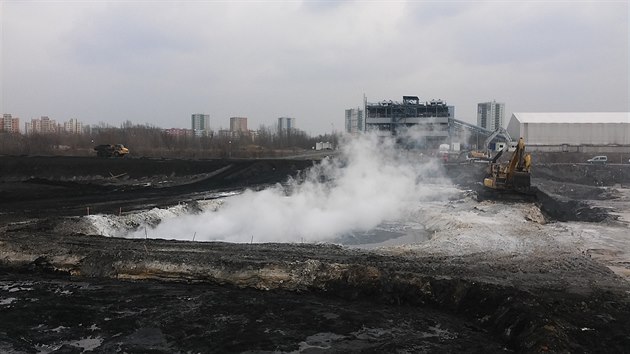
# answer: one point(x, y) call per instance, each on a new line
point(158, 62)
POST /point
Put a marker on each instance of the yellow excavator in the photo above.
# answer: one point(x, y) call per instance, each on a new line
point(513, 175)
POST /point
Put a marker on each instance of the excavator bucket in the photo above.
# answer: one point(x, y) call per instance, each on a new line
point(521, 181)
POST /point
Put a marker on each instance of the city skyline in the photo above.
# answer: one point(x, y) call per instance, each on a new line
point(156, 63)
point(199, 122)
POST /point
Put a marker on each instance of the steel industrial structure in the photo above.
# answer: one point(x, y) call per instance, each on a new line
point(354, 121)
point(469, 134)
point(430, 124)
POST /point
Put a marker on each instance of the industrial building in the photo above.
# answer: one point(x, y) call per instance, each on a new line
point(421, 124)
point(573, 132)
point(428, 119)
point(354, 121)
point(200, 124)
point(491, 115)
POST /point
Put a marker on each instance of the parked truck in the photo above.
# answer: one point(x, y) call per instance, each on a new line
point(111, 150)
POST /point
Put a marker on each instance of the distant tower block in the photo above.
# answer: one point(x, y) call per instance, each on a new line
point(200, 124)
point(238, 124)
point(490, 115)
point(286, 124)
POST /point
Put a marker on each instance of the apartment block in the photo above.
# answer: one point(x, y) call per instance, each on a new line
point(490, 115)
point(200, 124)
point(286, 124)
point(10, 124)
point(238, 124)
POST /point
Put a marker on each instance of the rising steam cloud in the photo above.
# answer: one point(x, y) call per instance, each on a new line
point(368, 183)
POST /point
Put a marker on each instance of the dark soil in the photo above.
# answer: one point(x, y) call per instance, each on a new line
point(35, 187)
point(66, 292)
point(159, 317)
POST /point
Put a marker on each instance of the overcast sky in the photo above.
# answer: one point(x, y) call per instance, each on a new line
point(158, 62)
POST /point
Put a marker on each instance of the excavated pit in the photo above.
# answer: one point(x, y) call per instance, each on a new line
point(62, 290)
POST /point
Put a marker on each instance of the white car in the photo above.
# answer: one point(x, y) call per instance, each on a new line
point(598, 159)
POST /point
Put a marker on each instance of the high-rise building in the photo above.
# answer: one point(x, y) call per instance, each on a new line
point(43, 125)
point(286, 123)
point(28, 128)
point(200, 124)
point(238, 124)
point(354, 120)
point(48, 125)
point(490, 115)
point(6, 123)
point(10, 124)
point(73, 126)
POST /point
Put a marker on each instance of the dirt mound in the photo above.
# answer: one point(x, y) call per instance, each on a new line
point(561, 208)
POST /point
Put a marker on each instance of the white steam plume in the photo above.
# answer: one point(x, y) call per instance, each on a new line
point(368, 183)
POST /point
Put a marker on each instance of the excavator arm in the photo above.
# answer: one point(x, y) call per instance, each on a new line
point(517, 158)
point(513, 176)
point(498, 132)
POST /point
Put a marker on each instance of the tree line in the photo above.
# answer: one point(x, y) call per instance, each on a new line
point(151, 141)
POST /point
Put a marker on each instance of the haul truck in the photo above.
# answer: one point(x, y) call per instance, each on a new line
point(111, 150)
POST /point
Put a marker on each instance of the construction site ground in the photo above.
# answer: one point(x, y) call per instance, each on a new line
point(548, 273)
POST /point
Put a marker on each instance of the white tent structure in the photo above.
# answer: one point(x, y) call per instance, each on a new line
point(571, 129)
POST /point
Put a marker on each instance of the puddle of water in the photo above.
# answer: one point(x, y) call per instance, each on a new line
point(385, 235)
point(7, 301)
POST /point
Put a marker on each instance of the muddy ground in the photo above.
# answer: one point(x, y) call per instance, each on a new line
point(69, 292)
point(38, 187)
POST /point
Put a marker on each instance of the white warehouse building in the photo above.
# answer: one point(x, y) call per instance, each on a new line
point(580, 131)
